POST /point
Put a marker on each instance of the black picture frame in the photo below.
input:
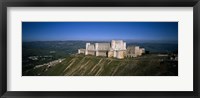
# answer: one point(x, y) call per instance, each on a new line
point(98, 3)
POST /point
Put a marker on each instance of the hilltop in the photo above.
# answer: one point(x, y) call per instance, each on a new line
point(80, 65)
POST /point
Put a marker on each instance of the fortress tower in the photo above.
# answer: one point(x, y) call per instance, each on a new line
point(86, 48)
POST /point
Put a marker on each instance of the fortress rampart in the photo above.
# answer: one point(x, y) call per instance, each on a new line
point(116, 49)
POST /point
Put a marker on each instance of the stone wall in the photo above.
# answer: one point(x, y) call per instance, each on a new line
point(110, 53)
point(134, 51)
point(142, 50)
point(91, 53)
point(120, 54)
point(131, 50)
point(91, 47)
point(102, 46)
point(101, 53)
point(137, 50)
point(118, 45)
point(81, 51)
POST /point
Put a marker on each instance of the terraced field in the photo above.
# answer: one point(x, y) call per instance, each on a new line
point(80, 65)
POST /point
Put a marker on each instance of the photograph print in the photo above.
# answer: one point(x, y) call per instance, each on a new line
point(99, 48)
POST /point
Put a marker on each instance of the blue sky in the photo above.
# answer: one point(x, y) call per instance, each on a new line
point(61, 31)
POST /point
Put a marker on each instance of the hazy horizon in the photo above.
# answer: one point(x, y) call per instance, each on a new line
point(127, 41)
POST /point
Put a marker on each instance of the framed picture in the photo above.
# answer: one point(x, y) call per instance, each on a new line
point(74, 48)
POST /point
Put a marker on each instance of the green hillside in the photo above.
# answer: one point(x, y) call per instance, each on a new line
point(80, 65)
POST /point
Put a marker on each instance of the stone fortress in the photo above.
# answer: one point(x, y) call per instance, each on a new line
point(116, 49)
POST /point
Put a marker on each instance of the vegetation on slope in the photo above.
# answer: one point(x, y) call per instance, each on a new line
point(80, 65)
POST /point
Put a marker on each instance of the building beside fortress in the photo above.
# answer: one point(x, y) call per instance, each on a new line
point(116, 49)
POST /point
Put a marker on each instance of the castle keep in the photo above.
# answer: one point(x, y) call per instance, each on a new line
point(116, 49)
